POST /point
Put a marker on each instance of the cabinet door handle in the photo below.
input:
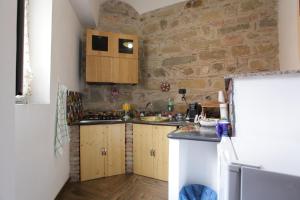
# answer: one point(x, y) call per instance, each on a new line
point(154, 153)
point(151, 152)
point(102, 151)
point(105, 151)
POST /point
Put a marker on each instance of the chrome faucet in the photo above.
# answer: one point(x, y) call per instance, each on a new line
point(147, 105)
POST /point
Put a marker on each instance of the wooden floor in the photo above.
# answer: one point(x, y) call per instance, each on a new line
point(122, 187)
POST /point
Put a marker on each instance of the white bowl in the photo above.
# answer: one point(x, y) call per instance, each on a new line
point(208, 122)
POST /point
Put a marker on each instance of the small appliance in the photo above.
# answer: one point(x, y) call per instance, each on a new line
point(193, 110)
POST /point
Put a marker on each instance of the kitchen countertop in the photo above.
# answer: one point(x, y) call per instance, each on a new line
point(134, 121)
point(165, 123)
point(202, 134)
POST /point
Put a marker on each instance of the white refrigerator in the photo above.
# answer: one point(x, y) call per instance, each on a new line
point(262, 160)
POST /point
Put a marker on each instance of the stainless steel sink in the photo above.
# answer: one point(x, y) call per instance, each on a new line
point(154, 119)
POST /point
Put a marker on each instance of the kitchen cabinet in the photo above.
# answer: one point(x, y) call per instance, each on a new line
point(100, 68)
point(102, 151)
point(111, 58)
point(151, 150)
point(126, 70)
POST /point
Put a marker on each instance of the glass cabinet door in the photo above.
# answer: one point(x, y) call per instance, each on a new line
point(127, 46)
point(99, 43)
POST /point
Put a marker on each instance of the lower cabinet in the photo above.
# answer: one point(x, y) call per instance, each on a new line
point(102, 151)
point(151, 150)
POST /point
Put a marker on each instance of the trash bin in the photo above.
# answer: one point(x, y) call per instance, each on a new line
point(197, 192)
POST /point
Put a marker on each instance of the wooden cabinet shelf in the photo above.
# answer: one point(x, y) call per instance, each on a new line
point(111, 58)
point(151, 150)
point(102, 151)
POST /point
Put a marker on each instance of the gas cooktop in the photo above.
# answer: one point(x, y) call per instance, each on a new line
point(103, 116)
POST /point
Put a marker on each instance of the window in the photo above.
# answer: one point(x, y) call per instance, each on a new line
point(23, 68)
point(20, 47)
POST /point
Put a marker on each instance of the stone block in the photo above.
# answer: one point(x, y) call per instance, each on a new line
point(163, 24)
point(150, 28)
point(192, 84)
point(179, 60)
point(266, 48)
point(188, 71)
point(230, 29)
point(171, 49)
point(268, 22)
point(216, 68)
point(241, 50)
point(199, 45)
point(216, 55)
point(258, 65)
point(218, 84)
point(247, 5)
point(160, 72)
point(211, 15)
point(232, 40)
point(174, 23)
point(183, 35)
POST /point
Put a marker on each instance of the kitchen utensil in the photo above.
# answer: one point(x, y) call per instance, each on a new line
point(208, 122)
point(223, 128)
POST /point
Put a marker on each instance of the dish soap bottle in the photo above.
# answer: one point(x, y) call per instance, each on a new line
point(170, 105)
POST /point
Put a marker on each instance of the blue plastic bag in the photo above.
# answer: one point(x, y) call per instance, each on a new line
point(197, 192)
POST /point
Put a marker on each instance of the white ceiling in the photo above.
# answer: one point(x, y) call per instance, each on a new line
point(143, 6)
point(87, 10)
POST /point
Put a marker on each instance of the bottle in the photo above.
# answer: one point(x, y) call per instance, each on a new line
point(223, 106)
point(170, 105)
point(224, 111)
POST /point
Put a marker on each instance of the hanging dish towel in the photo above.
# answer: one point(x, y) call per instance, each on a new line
point(62, 136)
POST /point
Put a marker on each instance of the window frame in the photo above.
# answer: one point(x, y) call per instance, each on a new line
point(20, 47)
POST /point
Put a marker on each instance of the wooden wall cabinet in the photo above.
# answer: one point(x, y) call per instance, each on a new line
point(102, 151)
point(111, 57)
point(151, 150)
point(99, 68)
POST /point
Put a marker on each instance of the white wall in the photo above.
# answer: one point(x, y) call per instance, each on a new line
point(39, 174)
point(88, 10)
point(289, 53)
point(8, 10)
point(267, 122)
point(191, 162)
point(40, 22)
point(143, 7)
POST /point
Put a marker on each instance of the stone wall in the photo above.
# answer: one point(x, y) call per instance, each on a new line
point(190, 48)
point(74, 153)
point(128, 148)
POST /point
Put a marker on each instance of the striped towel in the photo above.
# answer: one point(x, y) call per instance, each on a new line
point(62, 136)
